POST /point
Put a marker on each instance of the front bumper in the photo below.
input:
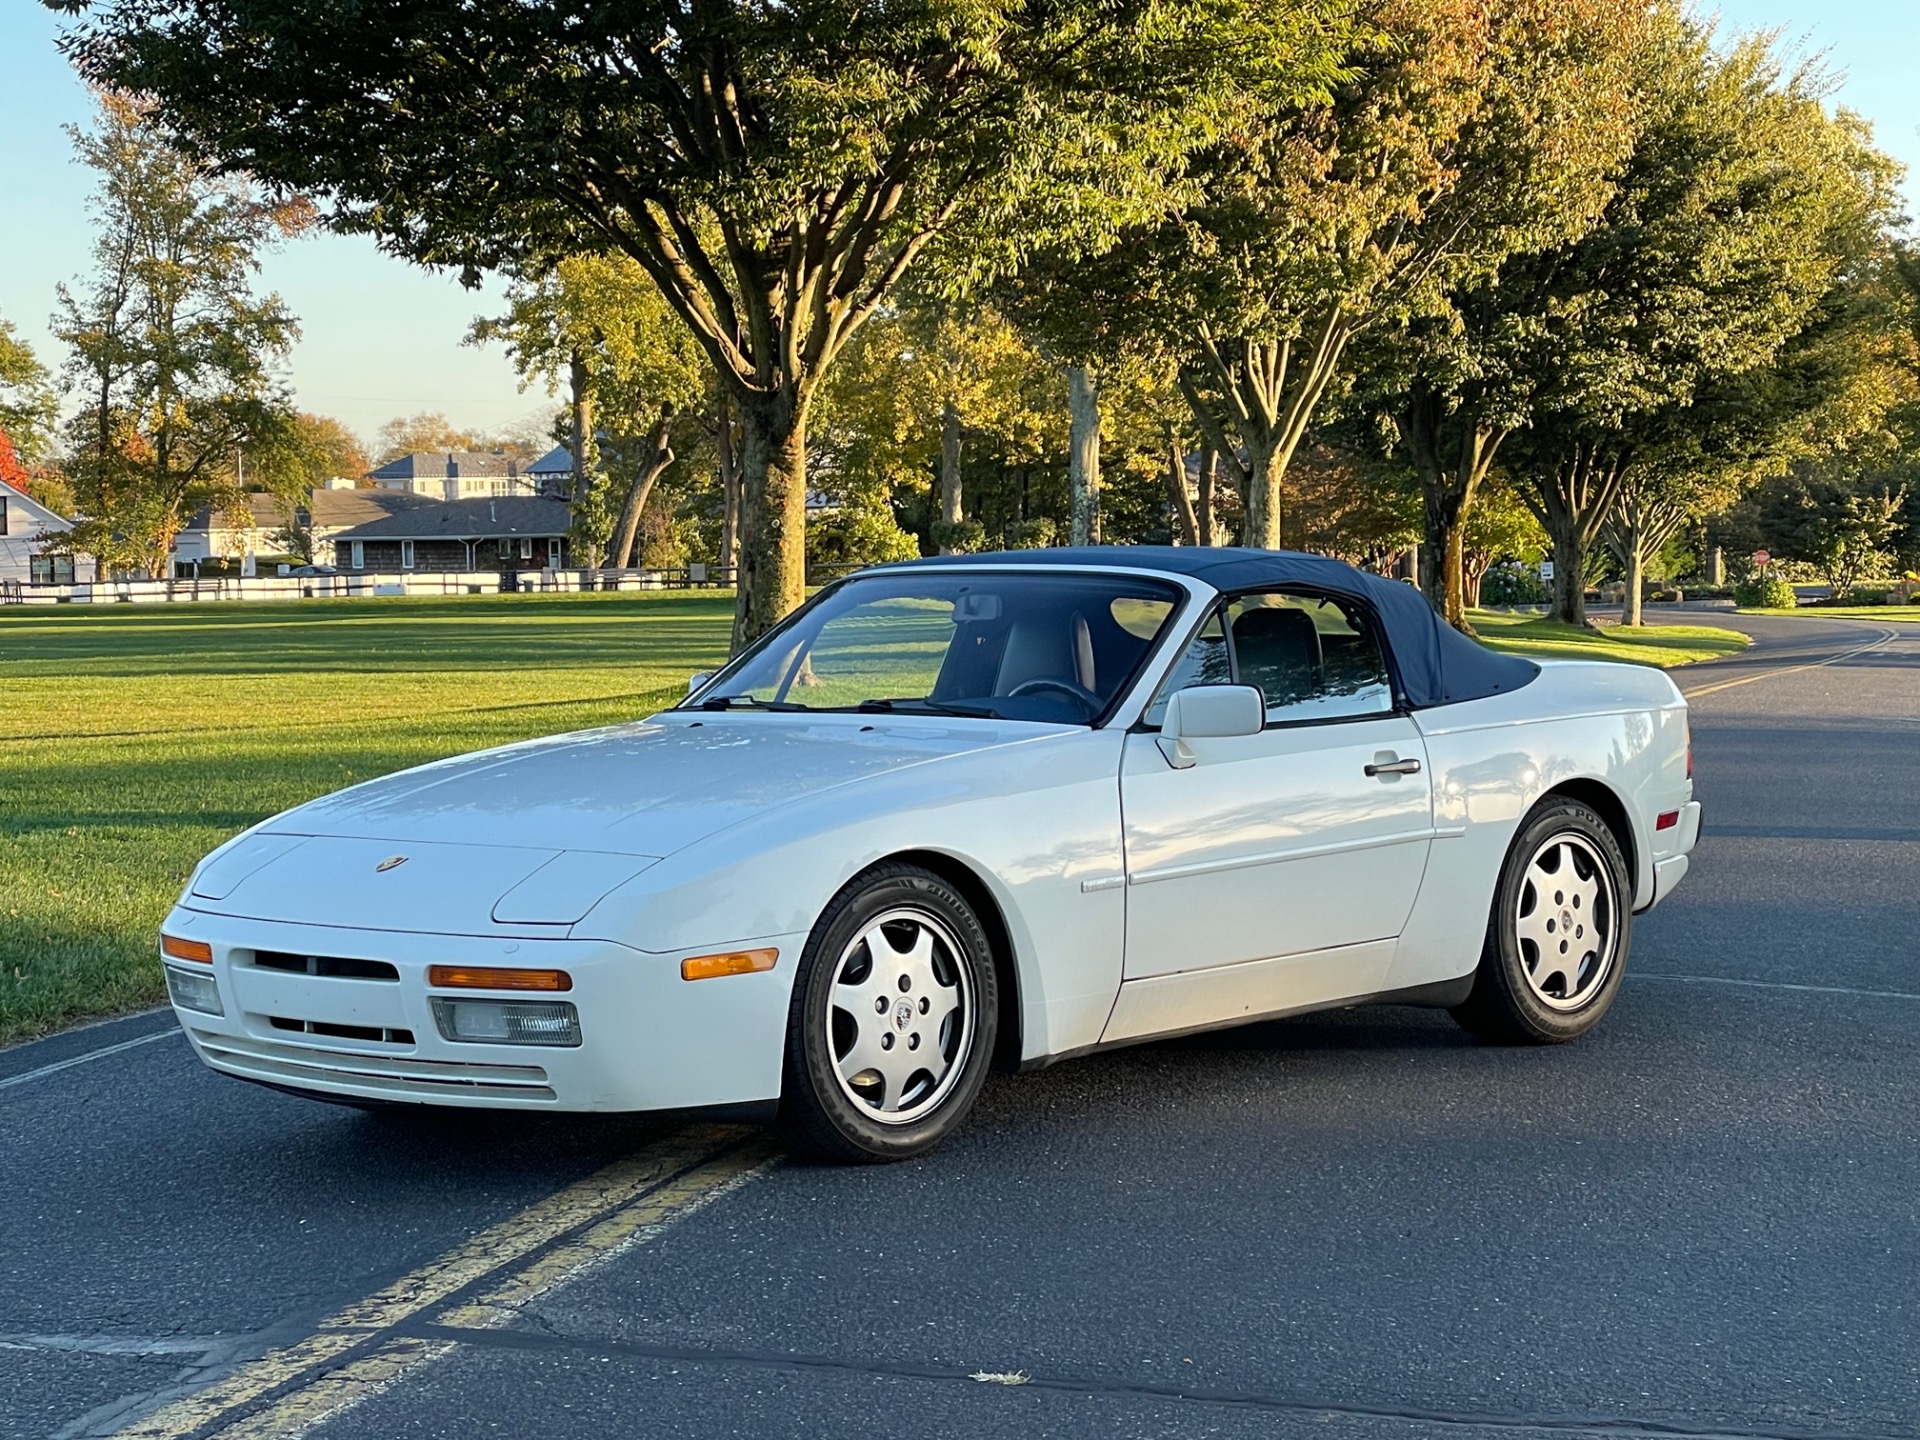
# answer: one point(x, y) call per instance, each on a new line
point(649, 1040)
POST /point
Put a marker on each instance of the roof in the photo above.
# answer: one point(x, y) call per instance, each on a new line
point(47, 517)
point(511, 515)
point(325, 508)
point(1437, 664)
point(359, 507)
point(557, 461)
point(446, 464)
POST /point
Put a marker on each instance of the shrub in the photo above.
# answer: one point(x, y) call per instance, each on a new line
point(1764, 592)
point(962, 537)
point(1030, 535)
point(860, 532)
point(1513, 585)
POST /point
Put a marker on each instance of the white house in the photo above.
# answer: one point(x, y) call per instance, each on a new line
point(25, 525)
point(259, 529)
point(456, 475)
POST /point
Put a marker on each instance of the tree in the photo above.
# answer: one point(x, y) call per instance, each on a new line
point(1463, 131)
point(171, 354)
point(775, 170)
point(1842, 525)
point(1536, 164)
point(630, 367)
point(29, 409)
point(1739, 208)
point(331, 451)
point(427, 432)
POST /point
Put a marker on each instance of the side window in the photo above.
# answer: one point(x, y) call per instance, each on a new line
point(1313, 658)
point(1205, 662)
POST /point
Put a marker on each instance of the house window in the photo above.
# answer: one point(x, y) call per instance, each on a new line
point(553, 554)
point(50, 569)
point(357, 554)
point(3, 515)
point(406, 554)
point(526, 547)
point(506, 550)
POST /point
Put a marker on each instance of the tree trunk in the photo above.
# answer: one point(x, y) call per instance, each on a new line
point(1262, 528)
point(729, 487)
point(1572, 502)
point(773, 516)
point(1569, 576)
point(950, 498)
point(582, 425)
point(1450, 477)
point(1634, 544)
point(658, 457)
point(1083, 456)
point(1186, 524)
point(1209, 480)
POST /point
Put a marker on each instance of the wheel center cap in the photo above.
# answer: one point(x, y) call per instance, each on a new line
point(903, 1015)
point(1566, 920)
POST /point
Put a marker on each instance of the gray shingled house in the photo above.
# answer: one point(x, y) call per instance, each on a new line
point(510, 533)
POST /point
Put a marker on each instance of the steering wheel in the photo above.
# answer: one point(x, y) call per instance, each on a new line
point(1066, 687)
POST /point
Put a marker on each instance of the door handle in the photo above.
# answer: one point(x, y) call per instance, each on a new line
point(1394, 767)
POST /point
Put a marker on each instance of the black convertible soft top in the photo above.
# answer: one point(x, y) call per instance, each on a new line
point(1437, 664)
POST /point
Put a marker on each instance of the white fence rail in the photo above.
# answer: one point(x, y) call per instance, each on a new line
point(362, 586)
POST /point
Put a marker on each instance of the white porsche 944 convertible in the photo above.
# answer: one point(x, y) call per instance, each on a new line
point(996, 809)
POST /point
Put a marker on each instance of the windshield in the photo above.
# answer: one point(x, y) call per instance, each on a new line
point(1045, 647)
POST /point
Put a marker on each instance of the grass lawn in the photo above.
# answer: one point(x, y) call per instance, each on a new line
point(1849, 612)
point(133, 739)
point(1664, 645)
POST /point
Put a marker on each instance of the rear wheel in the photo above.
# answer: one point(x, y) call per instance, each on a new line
point(892, 1021)
point(1556, 943)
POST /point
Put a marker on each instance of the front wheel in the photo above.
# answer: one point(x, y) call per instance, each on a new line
point(1556, 943)
point(892, 1021)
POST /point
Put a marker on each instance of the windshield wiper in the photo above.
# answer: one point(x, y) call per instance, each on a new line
point(748, 702)
point(938, 707)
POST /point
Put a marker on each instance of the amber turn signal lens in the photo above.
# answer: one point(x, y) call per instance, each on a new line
point(734, 962)
point(180, 949)
point(486, 977)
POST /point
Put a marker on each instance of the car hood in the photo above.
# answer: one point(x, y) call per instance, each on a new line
point(648, 788)
point(529, 837)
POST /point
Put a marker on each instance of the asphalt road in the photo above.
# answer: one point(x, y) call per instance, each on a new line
point(1702, 1220)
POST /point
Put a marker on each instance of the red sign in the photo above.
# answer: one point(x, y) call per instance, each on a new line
point(1761, 557)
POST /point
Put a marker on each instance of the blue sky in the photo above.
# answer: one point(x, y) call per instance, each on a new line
point(382, 338)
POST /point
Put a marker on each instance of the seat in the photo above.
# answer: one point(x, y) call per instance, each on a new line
point(1278, 649)
point(1046, 647)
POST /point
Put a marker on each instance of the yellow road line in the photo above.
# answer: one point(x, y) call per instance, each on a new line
point(711, 1156)
point(335, 1392)
point(1882, 638)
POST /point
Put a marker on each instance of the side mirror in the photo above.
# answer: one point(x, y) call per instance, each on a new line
point(1209, 712)
point(697, 679)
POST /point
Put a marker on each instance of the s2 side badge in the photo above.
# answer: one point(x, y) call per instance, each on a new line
point(389, 863)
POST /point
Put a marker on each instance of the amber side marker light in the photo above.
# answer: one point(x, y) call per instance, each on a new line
point(178, 949)
point(487, 977)
point(734, 962)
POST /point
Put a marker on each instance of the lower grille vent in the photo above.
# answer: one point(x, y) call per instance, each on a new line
point(335, 967)
point(375, 1033)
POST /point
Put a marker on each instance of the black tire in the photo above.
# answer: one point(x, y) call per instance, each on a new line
point(1513, 999)
point(820, 1113)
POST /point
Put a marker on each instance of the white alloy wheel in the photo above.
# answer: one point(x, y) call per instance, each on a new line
point(1566, 921)
point(901, 1015)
